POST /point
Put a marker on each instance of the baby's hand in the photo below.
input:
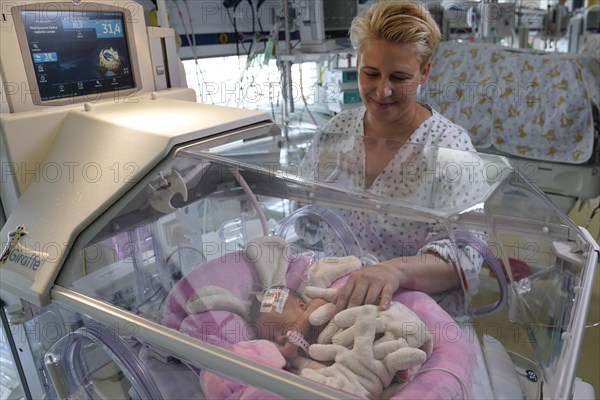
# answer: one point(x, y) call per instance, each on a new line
point(288, 350)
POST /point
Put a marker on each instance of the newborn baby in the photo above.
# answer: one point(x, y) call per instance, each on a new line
point(278, 312)
point(360, 350)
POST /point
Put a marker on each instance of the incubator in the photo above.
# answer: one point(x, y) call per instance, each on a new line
point(131, 212)
point(108, 316)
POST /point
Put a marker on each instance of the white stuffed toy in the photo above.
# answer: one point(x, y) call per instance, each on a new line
point(369, 348)
point(212, 297)
point(367, 365)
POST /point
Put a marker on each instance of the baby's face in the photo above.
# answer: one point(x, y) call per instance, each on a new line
point(274, 325)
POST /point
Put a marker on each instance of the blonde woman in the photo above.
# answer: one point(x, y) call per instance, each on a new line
point(394, 42)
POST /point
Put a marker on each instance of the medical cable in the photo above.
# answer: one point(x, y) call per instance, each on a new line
point(235, 31)
point(187, 34)
point(476, 243)
point(191, 38)
point(473, 241)
point(260, 27)
point(253, 200)
point(187, 8)
point(239, 38)
point(304, 98)
point(272, 39)
point(193, 44)
point(253, 27)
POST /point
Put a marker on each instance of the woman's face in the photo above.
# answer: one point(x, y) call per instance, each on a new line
point(388, 76)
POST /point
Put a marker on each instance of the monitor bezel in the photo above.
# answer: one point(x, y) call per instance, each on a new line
point(23, 44)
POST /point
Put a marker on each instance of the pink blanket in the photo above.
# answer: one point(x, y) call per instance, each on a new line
point(453, 355)
point(452, 350)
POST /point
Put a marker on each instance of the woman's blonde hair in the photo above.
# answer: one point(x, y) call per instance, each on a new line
point(400, 21)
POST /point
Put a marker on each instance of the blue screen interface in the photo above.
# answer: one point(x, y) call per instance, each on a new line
point(78, 53)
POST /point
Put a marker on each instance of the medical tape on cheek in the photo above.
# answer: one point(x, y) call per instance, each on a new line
point(273, 298)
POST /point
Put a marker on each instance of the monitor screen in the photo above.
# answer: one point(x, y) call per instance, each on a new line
point(77, 53)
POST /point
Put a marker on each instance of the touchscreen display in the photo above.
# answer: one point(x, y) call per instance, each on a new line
point(78, 53)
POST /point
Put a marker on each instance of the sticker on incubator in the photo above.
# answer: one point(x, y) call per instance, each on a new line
point(13, 239)
point(273, 298)
point(532, 376)
point(17, 253)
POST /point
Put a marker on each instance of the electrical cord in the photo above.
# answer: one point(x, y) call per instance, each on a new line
point(194, 47)
point(253, 17)
point(304, 98)
point(238, 38)
point(260, 27)
point(235, 31)
point(180, 14)
point(191, 38)
point(253, 200)
point(190, 21)
point(231, 3)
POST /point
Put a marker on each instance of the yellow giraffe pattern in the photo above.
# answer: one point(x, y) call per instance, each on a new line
point(531, 118)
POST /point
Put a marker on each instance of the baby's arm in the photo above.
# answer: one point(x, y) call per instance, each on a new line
point(299, 363)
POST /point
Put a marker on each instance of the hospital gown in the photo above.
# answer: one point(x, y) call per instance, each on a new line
point(417, 174)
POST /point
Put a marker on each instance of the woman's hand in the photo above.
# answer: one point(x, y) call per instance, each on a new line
point(427, 273)
point(372, 285)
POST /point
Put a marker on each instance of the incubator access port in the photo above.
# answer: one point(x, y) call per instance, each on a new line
point(110, 382)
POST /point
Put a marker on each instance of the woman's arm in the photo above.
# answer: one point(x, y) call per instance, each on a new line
point(427, 272)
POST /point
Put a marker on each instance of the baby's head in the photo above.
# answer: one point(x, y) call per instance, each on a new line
point(274, 312)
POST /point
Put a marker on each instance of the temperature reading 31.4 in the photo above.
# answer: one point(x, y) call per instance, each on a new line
point(111, 29)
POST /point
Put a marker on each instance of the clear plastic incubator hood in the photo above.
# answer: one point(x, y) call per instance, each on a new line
point(144, 296)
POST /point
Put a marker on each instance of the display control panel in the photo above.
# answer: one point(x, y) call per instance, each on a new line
point(77, 53)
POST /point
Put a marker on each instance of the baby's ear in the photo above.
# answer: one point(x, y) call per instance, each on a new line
point(300, 303)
